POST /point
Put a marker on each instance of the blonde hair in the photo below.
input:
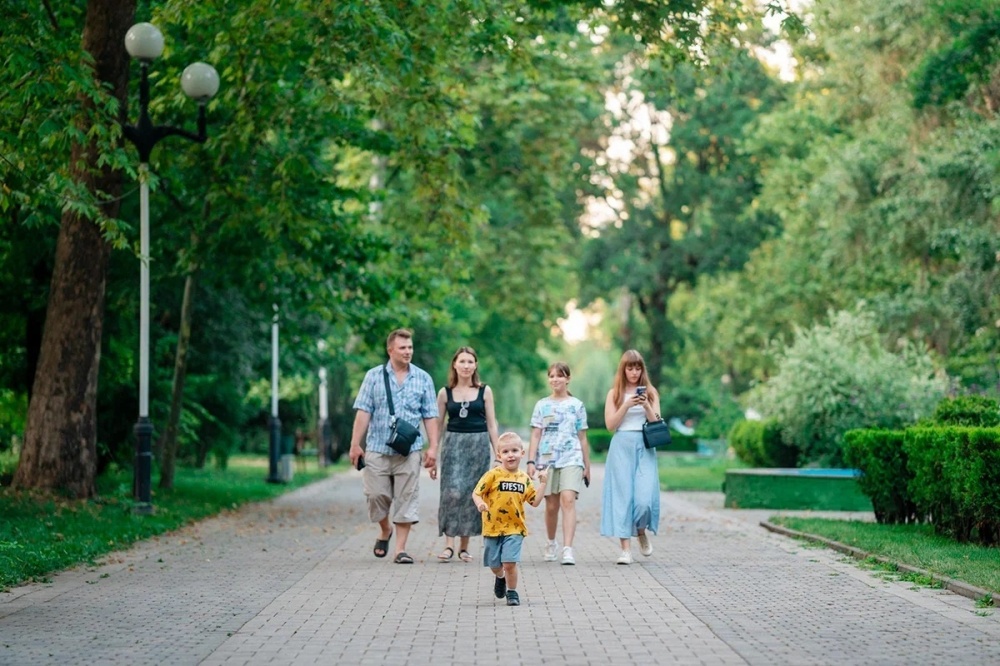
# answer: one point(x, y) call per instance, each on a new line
point(631, 359)
point(509, 436)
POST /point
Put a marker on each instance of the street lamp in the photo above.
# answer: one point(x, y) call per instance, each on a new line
point(144, 42)
point(323, 427)
point(275, 447)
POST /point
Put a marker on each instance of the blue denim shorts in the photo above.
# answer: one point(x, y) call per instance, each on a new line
point(497, 550)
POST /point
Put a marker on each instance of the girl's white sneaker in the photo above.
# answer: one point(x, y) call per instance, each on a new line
point(625, 557)
point(645, 547)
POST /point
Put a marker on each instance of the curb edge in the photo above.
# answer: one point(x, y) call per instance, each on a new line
point(951, 584)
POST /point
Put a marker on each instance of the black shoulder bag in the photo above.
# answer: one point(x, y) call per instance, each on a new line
point(402, 434)
point(655, 434)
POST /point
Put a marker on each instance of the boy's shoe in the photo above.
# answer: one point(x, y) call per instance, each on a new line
point(568, 556)
point(550, 551)
point(645, 547)
point(625, 557)
point(512, 598)
point(499, 587)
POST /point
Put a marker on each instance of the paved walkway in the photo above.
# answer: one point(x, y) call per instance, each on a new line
point(294, 582)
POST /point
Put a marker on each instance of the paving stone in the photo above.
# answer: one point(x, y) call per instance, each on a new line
point(293, 581)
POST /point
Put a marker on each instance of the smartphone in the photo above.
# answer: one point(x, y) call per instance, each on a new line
point(640, 390)
point(361, 463)
point(586, 481)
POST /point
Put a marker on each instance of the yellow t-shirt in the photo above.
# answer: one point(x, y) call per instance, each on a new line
point(505, 494)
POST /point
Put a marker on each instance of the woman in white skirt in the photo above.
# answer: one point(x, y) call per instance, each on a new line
point(631, 500)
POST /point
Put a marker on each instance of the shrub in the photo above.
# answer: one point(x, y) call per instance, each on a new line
point(956, 479)
point(599, 439)
point(968, 410)
point(681, 443)
point(761, 444)
point(885, 478)
point(839, 377)
point(13, 413)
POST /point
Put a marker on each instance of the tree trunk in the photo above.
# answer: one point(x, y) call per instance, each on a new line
point(60, 439)
point(654, 310)
point(167, 446)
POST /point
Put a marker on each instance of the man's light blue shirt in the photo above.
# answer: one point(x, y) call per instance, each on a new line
point(413, 400)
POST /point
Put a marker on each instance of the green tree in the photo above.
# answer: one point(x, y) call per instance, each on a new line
point(685, 206)
point(838, 377)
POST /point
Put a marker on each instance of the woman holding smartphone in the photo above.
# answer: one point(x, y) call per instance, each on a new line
point(631, 496)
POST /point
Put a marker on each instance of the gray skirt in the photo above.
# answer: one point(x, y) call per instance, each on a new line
point(464, 458)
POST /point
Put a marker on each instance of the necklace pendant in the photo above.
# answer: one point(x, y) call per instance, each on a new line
point(464, 411)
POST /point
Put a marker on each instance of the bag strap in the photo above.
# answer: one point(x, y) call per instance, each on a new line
point(388, 392)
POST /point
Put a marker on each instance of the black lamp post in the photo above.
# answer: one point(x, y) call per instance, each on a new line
point(275, 448)
point(144, 42)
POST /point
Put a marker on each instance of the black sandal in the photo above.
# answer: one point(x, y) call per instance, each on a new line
point(447, 558)
point(382, 545)
point(403, 558)
point(464, 556)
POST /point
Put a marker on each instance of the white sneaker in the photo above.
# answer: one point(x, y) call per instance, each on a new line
point(568, 556)
point(645, 547)
point(550, 551)
point(625, 557)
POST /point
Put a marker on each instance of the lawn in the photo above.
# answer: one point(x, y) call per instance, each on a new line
point(43, 534)
point(915, 545)
point(689, 471)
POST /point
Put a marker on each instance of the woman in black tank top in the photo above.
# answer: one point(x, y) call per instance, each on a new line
point(469, 425)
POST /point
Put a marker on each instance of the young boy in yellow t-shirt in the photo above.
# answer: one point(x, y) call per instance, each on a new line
point(500, 495)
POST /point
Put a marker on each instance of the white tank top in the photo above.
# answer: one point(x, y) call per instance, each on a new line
point(634, 417)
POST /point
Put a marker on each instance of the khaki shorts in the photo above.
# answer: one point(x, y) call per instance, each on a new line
point(564, 478)
point(391, 485)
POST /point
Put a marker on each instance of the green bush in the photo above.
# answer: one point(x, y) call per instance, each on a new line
point(681, 443)
point(599, 439)
point(13, 413)
point(931, 454)
point(968, 410)
point(979, 489)
point(885, 478)
point(956, 480)
point(840, 377)
point(761, 444)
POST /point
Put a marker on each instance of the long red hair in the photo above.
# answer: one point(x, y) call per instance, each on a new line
point(631, 359)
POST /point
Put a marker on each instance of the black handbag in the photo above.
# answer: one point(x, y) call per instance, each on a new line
point(655, 434)
point(402, 434)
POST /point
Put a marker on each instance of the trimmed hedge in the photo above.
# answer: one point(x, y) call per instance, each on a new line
point(761, 444)
point(956, 480)
point(599, 439)
point(947, 475)
point(886, 478)
point(968, 410)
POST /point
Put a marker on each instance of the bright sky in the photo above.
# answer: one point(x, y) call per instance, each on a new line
point(577, 323)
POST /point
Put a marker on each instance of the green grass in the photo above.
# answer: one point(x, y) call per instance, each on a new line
point(914, 545)
point(43, 534)
point(693, 472)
